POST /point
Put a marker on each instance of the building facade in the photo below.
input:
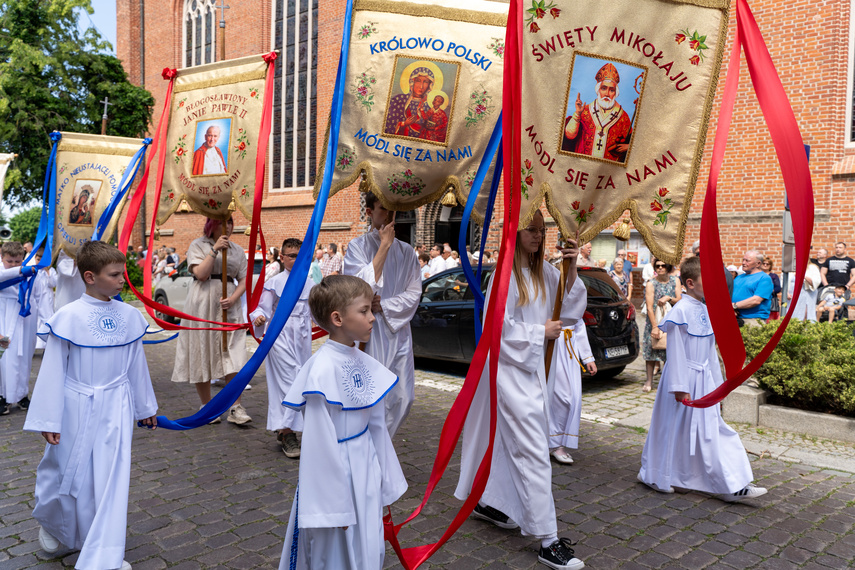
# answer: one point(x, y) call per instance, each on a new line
point(811, 44)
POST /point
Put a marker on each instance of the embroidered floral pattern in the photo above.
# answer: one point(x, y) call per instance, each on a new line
point(405, 183)
point(180, 149)
point(181, 103)
point(697, 43)
point(254, 93)
point(526, 178)
point(367, 30)
point(580, 213)
point(661, 206)
point(346, 159)
point(241, 142)
point(169, 197)
point(213, 204)
point(244, 192)
point(363, 89)
point(480, 106)
point(537, 11)
point(62, 169)
point(469, 177)
point(498, 47)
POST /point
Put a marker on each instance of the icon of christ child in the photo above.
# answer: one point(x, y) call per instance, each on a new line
point(602, 128)
point(435, 121)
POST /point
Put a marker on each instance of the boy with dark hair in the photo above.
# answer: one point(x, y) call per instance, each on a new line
point(292, 348)
point(17, 333)
point(686, 447)
point(832, 304)
point(348, 470)
point(93, 384)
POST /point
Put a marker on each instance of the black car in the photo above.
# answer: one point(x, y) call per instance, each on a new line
point(444, 324)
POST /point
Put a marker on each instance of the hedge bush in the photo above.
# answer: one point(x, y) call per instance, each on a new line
point(135, 272)
point(812, 368)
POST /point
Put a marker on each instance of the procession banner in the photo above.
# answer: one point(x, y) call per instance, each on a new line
point(5, 161)
point(423, 94)
point(212, 139)
point(89, 170)
point(615, 105)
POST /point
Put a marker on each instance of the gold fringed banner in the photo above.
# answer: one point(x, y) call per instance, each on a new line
point(88, 171)
point(616, 100)
point(424, 91)
point(212, 138)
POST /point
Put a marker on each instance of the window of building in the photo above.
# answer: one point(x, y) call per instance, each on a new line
point(199, 32)
point(293, 141)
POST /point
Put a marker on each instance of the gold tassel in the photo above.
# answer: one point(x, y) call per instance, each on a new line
point(248, 231)
point(184, 206)
point(622, 231)
point(157, 233)
point(232, 205)
point(363, 184)
point(449, 199)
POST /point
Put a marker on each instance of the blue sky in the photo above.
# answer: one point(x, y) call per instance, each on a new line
point(104, 20)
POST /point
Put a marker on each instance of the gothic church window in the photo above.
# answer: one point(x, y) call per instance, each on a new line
point(293, 151)
point(200, 30)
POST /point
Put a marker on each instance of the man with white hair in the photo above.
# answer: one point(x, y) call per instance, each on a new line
point(208, 159)
point(602, 128)
point(450, 262)
point(752, 291)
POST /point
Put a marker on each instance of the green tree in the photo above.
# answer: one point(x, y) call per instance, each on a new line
point(52, 76)
point(25, 224)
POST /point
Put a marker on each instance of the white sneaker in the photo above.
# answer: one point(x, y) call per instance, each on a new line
point(561, 455)
point(125, 565)
point(248, 387)
point(656, 488)
point(213, 421)
point(749, 492)
point(238, 415)
point(47, 541)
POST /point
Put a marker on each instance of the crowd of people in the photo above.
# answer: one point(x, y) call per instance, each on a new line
point(337, 411)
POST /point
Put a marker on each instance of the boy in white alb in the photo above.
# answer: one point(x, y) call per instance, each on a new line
point(692, 448)
point(93, 384)
point(572, 350)
point(17, 361)
point(396, 298)
point(293, 347)
point(348, 468)
point(43, 296)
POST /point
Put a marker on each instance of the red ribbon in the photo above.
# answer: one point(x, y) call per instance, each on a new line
point(789, 148)
point(169, 74)
point(490, 343)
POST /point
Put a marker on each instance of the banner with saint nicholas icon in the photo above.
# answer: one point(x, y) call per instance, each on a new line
point(213, 127)
point(424, 89)
point(91, 172)
point(615, 105)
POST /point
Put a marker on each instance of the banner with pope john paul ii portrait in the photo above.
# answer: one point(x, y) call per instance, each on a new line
point(423, 93)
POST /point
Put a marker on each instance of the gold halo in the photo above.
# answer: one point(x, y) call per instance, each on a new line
point(433, 94)
point(405, 75)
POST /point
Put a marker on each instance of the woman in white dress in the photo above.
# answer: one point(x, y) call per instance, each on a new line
point(199, 355)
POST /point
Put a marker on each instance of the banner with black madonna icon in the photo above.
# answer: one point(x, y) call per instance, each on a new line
point(616, 98)
point(424, 93)
point(90, 170)
point(212, 138)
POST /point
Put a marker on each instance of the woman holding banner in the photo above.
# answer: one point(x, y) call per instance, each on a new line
point(199, 356)
point(519, 490)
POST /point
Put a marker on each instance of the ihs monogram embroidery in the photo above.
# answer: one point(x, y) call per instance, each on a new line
point(701, 318)
point(357, 381)
point(105, 324)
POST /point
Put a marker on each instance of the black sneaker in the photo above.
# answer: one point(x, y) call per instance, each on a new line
point(494, 516)
point(4, 407)
point(24, 404)
point(559, 555)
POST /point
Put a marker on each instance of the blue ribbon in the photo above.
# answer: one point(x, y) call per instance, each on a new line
point(220, 403)
point(475, 280)
point(124, 185)
point(44, 236)
point(173, 337)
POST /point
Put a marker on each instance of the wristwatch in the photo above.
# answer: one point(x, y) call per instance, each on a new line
point(734, 306)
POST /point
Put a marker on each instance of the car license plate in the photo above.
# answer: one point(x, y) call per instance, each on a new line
point(617, 351)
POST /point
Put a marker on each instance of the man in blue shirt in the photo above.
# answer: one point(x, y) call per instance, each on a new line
point(752, 291)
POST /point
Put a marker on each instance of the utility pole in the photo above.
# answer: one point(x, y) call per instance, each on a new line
point(106, 102)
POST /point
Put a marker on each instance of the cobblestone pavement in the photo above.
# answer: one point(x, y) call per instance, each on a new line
point(219, 496)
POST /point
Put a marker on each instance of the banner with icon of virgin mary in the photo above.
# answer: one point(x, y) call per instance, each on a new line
point(90, 170)
point(424, 93)
point(616, 100)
